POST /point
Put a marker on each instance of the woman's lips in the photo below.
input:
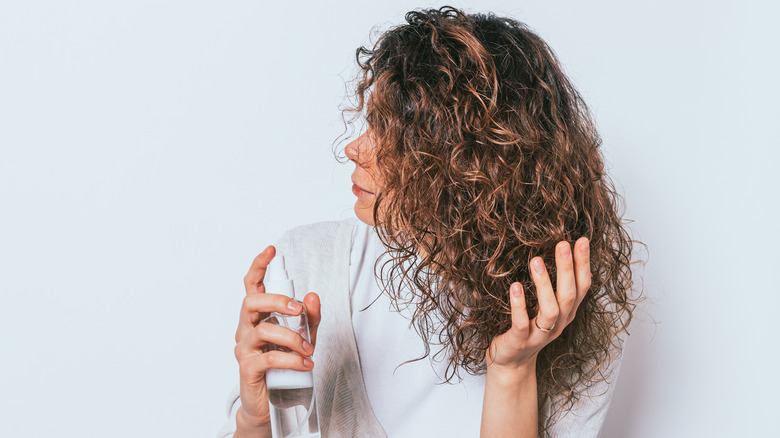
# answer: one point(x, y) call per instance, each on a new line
point(360, 192)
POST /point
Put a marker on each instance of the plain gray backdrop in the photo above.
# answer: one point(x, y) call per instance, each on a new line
point(150, 149)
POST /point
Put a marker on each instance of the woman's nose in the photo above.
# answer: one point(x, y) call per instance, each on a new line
point(356, 149)
point(351, 150)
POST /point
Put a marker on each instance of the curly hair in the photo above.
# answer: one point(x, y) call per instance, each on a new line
point(489, 157)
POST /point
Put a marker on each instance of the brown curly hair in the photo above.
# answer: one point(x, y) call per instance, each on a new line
point(489, 157)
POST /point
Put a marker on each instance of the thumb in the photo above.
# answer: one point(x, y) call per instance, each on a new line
point(313, 314)
point(520, 320)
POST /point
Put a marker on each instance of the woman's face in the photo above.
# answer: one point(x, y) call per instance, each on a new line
point(361, 152)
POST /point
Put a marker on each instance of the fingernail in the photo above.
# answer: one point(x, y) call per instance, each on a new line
point(565, 251)
point(517, 291)
point(538, 265)
point(585, 246)
point(294, 305)
point(308, 363)
point(307, 347)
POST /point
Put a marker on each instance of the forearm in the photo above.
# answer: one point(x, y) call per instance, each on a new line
point(510, 406)
point(248, 429)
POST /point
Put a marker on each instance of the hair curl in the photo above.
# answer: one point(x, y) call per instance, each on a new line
point(489, 157)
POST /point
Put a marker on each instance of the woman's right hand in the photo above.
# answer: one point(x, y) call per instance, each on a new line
point(252, 336)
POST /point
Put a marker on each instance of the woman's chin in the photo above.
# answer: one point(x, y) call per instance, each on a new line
point(365, 215)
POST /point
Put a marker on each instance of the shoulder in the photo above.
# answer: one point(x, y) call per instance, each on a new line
point(317, 236)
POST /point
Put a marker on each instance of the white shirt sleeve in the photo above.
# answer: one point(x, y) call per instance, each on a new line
point(586, 417)
point(233, 402)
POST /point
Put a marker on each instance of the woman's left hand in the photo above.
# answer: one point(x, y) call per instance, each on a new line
point(518, 347)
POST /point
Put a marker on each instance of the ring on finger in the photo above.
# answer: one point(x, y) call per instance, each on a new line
point(546, 330)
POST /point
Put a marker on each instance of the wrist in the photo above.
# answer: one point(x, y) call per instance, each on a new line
point(515, 374)
point(247, 426)
point(510, 407)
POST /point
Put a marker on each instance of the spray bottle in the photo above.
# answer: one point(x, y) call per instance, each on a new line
point(291, 396)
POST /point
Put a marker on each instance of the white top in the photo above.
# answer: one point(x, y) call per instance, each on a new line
point(319, 257)
point(408, 400)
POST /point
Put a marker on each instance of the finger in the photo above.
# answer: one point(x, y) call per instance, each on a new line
point(313, 314)
point(253, 280)
point(548, 305)
point(252, 366)
point(257, 306)
point(520, 322)
point(566, 285)
point(583, 275)
point(266, 333)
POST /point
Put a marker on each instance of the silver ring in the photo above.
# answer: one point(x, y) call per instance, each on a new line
point(536, 321)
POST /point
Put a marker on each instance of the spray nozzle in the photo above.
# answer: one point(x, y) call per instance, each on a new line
point(276, 279)
point(276, 269)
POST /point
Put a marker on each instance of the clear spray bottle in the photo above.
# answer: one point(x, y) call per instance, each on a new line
point(291, 396)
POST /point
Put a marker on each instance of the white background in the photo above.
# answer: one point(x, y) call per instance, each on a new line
point(150, 149)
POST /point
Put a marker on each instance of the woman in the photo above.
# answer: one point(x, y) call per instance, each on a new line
point(484, 207)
